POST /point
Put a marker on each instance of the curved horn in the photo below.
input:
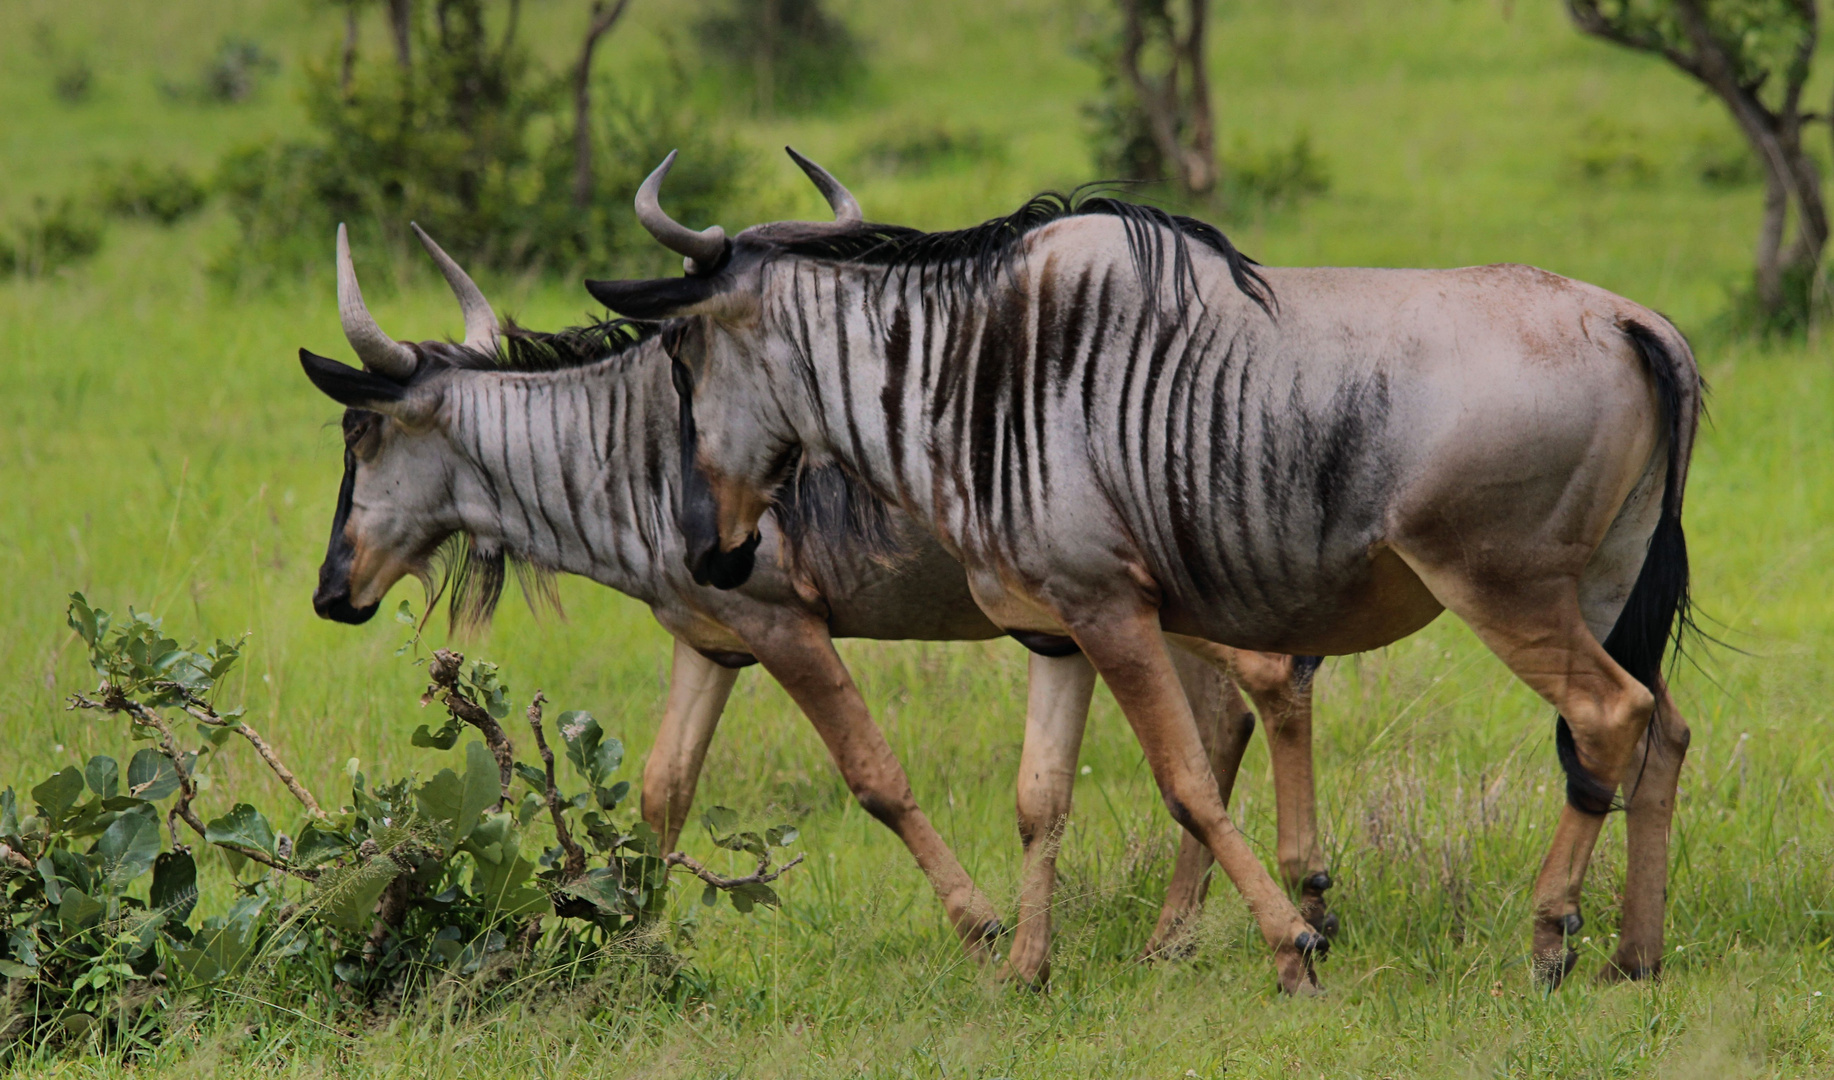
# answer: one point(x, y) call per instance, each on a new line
point(846, 207)
point(704, 249)
point(480, 322)
point(380, 353)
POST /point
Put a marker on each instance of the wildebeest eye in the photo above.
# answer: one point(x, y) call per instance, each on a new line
point(358, 425)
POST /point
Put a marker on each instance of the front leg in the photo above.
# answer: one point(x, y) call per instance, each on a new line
point(1225, 725)
point(698, 689)
point(799, 654)
point(1122, 640)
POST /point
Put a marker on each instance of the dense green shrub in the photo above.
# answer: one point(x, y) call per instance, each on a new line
point(138, 189)
point(411, 883)
point(53, 235)
point(787, 54)
point(473, 141)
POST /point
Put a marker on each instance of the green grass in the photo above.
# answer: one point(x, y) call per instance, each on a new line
point(160, 448)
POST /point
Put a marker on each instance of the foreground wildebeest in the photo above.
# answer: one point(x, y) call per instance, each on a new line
point(562, 451)
point(1120, 425)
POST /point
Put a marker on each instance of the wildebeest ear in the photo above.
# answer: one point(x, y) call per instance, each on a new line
point(658, 298)
point(358, 389)
point(351, 387)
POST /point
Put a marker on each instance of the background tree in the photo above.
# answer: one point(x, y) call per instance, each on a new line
point(1153, 120)
point(1755, 56)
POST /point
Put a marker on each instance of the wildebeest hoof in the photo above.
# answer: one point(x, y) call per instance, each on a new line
point(1328, 925)
point(1318, 882)
point(1572, 924)
point(1311, 943)
point(1629, 969)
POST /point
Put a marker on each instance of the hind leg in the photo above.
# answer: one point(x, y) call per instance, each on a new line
point(1655, 773)
point(1281, 687)
point(1224, 724)
point(1534, 625)
point(1057, 710)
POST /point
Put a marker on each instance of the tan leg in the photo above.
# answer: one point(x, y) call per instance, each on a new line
point(1650, 784)
point(1057, 710)
point(1128, 651)
point(698, 689)
point(801, 656)
point(1284, 699)
point(1535, 627)
point(1224, 724)
point(1282, 693)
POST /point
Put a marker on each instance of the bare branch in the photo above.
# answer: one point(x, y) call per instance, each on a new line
point(444, 671)
point(204, 714)
point(576, 855)
point(757, 877)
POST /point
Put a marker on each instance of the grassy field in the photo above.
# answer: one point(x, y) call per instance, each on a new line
point(160, 448)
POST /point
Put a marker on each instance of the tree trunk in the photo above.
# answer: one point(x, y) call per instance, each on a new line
point(348, 68)
point(1171, 118)
point(1200, 158)
point(401, 25)
point(602, 21)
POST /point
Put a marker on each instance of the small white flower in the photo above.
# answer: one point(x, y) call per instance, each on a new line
point(1585, 941)
point(1681, 948)
point(1817, 993)
point(1086, 769)
point(60, 748)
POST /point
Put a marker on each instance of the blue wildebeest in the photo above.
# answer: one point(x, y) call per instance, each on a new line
point(562, 452)
point(1122, 426)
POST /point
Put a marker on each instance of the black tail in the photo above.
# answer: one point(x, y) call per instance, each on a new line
point(1658, 608)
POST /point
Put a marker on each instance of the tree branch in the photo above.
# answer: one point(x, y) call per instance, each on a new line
point(757, 877)
point(603, 19)
point(444, 671)
point(576, 855)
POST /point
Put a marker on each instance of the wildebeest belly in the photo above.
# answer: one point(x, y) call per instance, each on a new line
point(1363, 605)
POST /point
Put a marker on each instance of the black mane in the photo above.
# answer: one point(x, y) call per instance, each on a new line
point(525, 350)
point(969, 257)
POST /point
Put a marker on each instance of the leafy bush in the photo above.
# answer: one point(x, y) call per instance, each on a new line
point(1607, 151)
point(790, 54)
point(54, 235)
point(1275, 178)
point(410, 883)
point(473, 142)
point(137, 189)
point(926, 148)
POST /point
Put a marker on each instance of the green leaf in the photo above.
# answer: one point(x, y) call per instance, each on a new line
point(150, 775)
point(316, 845)
point(740, 901)
point(82, 619)
point(709, 896)
point(243, 825)
point(404, 614)
point(758, 892)
point(78, 911)
point(719, 819)
point(352, 897)
point(127, 848)
point(174, 888)
point(585, 745)
point(57, 795)
point(438, 740)
point(17, 971)
point(456, 802)
point(533, 777)
point(104, 775)
point(9, 814)
point(781, 835)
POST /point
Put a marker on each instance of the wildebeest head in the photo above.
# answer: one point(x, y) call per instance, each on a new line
point(735, 345)
point(396, 505)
